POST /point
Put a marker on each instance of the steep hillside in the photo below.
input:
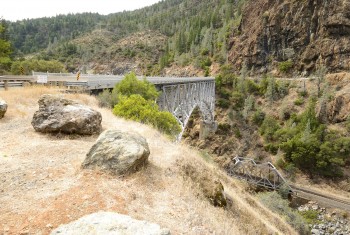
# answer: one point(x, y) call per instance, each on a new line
point(308, 33)
point(43, 185)
point(281, 36)
point(102, 52)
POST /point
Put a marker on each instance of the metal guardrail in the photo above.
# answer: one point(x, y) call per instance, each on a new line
point(5, 85)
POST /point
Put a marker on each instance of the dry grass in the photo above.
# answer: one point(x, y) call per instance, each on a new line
point(43, 186)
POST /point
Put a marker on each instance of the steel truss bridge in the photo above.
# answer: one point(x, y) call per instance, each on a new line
point(261, 174)
point(179, 96)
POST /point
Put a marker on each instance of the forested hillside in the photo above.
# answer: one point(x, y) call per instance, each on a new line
point(196, 33)
point(28, 36)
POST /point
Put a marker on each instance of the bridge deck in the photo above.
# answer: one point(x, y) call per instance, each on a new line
point(98, 82)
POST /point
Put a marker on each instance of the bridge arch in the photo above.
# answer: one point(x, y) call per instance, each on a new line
point(183, 98)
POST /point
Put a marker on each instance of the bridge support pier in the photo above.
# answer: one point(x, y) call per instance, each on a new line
point(206, 129)
point(182, 98)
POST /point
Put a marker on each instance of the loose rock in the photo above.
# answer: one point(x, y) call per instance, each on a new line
point(110, 223)
point(118, 153)
point(57, 114)
point(3, 108)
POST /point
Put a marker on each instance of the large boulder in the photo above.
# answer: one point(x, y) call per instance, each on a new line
point(118, 153)
point(110, 223)
point(3, 108)
point(57, 114)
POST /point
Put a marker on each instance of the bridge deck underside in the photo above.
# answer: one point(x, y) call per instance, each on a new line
point(182, 99)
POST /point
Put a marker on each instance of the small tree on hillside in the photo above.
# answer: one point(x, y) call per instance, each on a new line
point(320, 77)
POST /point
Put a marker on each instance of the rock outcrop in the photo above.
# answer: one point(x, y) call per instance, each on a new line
point(118, 153)
point(3, 108)
point(308, 33)
point(336, 110)
point(57, 114)
point(210, 186)
point(110, 223)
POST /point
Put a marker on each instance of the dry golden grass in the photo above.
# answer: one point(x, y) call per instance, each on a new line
point(43, 186)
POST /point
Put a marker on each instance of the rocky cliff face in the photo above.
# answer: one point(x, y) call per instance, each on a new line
point(308, 32)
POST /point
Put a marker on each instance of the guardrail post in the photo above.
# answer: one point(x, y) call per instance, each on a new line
point(6, 85)
point(61, 84)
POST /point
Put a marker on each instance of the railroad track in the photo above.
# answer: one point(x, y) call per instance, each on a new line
point(323, 200)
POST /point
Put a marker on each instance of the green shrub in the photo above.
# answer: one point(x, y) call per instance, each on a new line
point(310, 216)
point(291, 170)
point(205, 63)
point(167, 123)
point(252, 87)
point(307, 144)
point(264, 82)
point(237, 133)
point(258, 117)
point(285, 66)
point(282, 88)
point(224, 128)
point(347, 123)
point(272, 148)
point(268, 128)
point(53, 66)
point(136, 108)
point(131, 85)
point(237, 98)
point(223, 103)
point(299, 101)
point(303, 93)
point(280, 163)
point(225, 93)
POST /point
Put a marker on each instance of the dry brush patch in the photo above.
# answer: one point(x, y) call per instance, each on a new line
point(43, 185)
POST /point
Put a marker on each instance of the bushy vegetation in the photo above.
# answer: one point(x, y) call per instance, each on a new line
point(131, 85)
point(36, 65)
point(135, 100)
point(308, 144)
point(310, 216)
point(137, 108)
point(285, 66)
point(280, 206)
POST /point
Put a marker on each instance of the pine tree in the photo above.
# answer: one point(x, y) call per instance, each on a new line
point(307, 132)
point(320, 77)
point(5, 49)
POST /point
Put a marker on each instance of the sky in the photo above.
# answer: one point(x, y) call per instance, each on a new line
point(27, 9)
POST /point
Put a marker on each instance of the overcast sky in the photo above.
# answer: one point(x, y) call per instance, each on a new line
point(22, 9)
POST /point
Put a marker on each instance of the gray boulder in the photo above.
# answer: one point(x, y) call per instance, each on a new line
point(57, 114)
point(118, 153)
point(104, 223)
point(3, 108)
